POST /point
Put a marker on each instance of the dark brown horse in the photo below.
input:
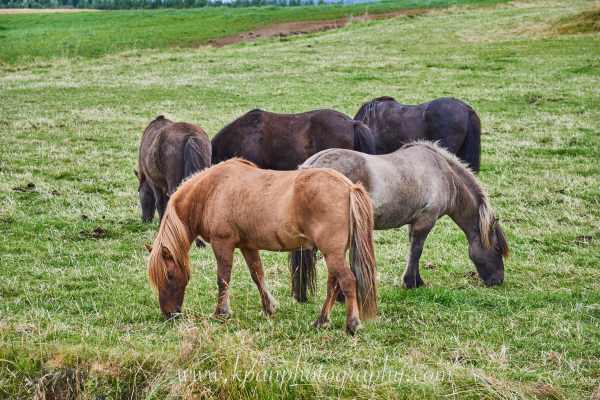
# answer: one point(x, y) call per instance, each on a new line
point(169, 153)
point(236, 205)
point(284, 141)
point(450, 122)
point(415, 186)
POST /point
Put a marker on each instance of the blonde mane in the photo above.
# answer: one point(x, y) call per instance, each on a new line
point(173, 236)
point(487, 218)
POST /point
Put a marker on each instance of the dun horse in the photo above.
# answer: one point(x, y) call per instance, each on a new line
point(169, 152)
point(236, 205)
point(415, 186)
point(284, 141)
point(450, 121)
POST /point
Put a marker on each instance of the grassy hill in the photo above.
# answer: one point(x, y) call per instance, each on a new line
point(49, 36)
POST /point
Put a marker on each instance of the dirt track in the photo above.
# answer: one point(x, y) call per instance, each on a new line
point(302, 27)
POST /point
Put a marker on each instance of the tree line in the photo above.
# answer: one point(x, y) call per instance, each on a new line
point(136, 4)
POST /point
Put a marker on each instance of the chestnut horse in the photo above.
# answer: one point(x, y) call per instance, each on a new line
point(416, 185)
point(451, 122)
point(169, 152)
point(236, 205)
point(284, 141)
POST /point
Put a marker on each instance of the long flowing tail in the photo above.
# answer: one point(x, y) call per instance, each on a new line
point(196, 156)
point(363, 138)
point(362, 254)
point(304, 273)
point(471, 148)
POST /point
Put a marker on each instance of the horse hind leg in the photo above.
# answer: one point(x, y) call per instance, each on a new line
point(418, 232)
point(340, 270)
point(252, 258)
point(332, 289)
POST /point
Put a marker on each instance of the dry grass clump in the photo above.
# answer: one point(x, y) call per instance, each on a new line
point(584, 22)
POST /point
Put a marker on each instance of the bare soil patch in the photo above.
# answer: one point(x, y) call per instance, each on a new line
point(302, 27)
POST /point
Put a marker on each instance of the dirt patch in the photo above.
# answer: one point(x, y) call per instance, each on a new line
point(302, 27)
point(584, 22)
point(43, 10)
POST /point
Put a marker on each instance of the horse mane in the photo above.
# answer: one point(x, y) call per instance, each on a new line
point(488, 223)
point(369, 106)
point(173, 236)
point(239, 160)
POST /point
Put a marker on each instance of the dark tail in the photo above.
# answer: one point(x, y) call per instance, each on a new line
point(196, 156)
point(363, 138)
point(362, 254)
point(471, 148)
point(304, 273)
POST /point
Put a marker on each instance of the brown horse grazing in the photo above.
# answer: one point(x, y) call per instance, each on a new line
point(236, 205)
point(416, 185)
point(169, 152)
point(454, 124)
point(284, 141)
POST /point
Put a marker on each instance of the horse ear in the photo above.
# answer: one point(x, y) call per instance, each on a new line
point(148, 247)
point(166, 253)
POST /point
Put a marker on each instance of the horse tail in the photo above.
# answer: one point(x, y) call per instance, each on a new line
point(194, 158)
point(362, 254)
point(302, 265)
point(363, 138)
point(470, 151)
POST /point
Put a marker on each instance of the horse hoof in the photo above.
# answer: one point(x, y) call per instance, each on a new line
point(322, 323)
point(222, 313)
point(269, 310)
point(411, 283)
point(352, 327)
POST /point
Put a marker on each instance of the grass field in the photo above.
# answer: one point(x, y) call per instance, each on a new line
point(78, 317)
point(30, 37)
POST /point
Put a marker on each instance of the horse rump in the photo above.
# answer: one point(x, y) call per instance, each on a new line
point(470, 151)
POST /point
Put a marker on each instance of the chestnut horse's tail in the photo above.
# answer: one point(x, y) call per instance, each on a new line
point(362, 254)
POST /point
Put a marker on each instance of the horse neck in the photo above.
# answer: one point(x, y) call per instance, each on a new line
point(190, 209)
point(465, 206)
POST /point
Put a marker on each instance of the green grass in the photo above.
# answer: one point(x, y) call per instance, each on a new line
point(77, 309)
point(29, 37)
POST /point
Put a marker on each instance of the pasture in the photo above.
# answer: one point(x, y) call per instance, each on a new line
point(78, 317)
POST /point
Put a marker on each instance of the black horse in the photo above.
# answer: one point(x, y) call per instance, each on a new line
point(284, 141)
point(452, 123)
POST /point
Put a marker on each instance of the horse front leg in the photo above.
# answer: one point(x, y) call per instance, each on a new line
point(252, 258)
point(418, 233)
point(224, 255)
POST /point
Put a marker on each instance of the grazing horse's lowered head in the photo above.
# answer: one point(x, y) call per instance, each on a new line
point(169, 263)
point(488, 248)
